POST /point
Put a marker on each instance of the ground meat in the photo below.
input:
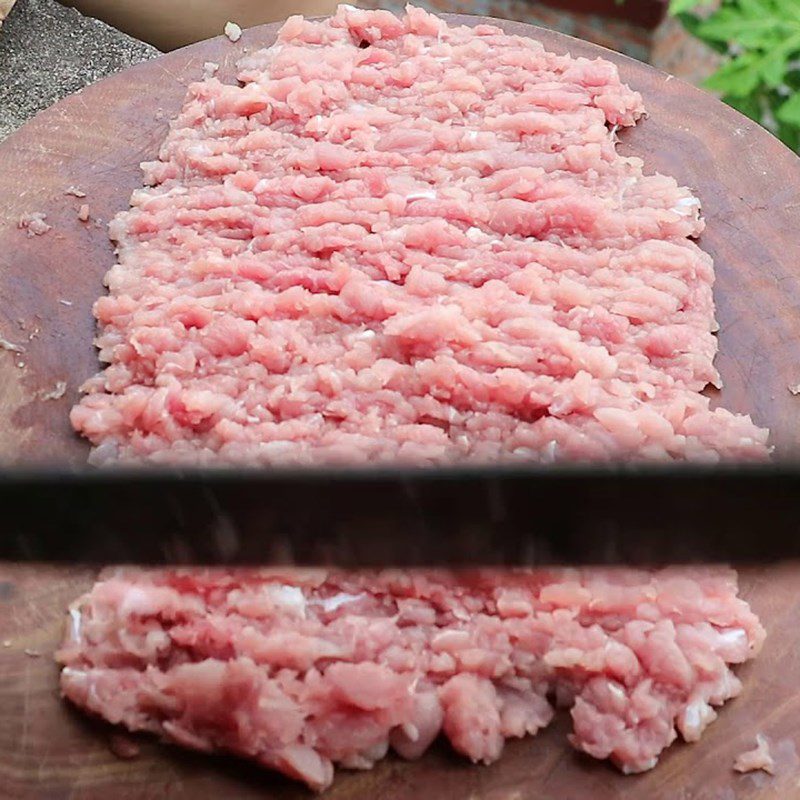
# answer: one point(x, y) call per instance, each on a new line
point(757, 758)
point(34, 224)
point(400, 240)
point(83, 213)
point(301, 670)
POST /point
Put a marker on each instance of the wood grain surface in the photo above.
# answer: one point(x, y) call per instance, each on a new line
point(750, 188)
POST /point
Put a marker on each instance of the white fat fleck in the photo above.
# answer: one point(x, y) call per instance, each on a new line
point(135, 601)
point(686, 205)
point(471, 136)
point(357, 107)
point(75, 623)
point(277, 448)
point(71, 672)
point(198, 151)
point(691, 718)
point(523, 452)
point(617, 691)
point(233, 31)
point(475, 234)
point(290, 597)
point(649, 764)
point(428, 194)
point(734, 636)
point(549, 451)
point(332, 603)
point(366, 335)
point(411, 731)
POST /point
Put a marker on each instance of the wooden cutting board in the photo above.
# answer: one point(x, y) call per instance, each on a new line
point(48, 751)
point(750, 188)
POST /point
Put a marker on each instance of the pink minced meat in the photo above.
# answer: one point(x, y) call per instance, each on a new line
point(401, 240)
point(301, 670)
point(398, 240)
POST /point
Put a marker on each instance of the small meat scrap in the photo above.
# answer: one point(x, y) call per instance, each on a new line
point(32, 653)
point(10, 346)
point(757, 758)
point(65, 302)
point(123, 746)
point(75, 191)
point(233, 31)
point(210, 69)
point(34, 223)
point(83, 213)
point(794, 388)
point(56, 393)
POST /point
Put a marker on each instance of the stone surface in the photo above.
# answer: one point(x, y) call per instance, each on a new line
point(48, 51)
point(5, 7)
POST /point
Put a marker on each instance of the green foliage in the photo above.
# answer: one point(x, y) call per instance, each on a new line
point(760, 73)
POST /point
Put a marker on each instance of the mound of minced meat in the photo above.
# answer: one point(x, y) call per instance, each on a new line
point(397, 240)
point(301, 670)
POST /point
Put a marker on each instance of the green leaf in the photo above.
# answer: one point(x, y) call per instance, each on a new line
point(691, 23)
point(760, 75)
point(742, 31)
point(749, 106)
point(773, 67)
point(789, 135)
point(756, 8)
point(789, 112)
point(788, 9)
point(682, 6)
point(774, 64)
point(737, 78)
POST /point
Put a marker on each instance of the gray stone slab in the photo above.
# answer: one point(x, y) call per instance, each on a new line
point(48, 51)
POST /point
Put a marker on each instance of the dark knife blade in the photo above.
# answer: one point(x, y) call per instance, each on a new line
point(404, 517)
